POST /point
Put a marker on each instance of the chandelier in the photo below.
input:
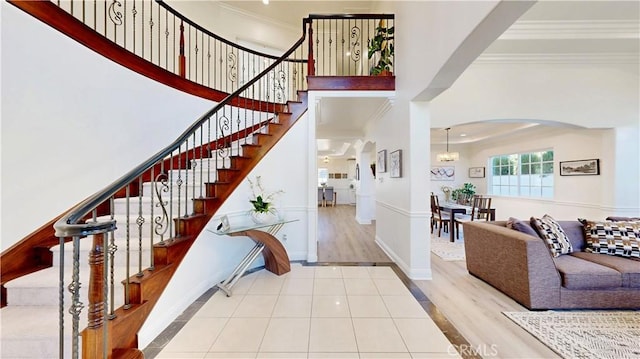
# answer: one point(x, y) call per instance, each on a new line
point(448, 156)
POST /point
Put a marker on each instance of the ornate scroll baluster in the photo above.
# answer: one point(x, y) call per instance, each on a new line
point(76, 305)
point(162, 221)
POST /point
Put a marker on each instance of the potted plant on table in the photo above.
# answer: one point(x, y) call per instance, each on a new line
point(263, 210)
point(382, 44)
point(465, 194)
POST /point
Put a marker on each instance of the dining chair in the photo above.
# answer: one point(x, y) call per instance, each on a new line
point(480, 210)
point(329, 197)
point(320, 196)
point(438, 218)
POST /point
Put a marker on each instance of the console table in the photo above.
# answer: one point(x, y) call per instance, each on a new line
point(275, 255)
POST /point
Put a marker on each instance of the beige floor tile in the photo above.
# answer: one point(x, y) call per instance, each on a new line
point(299, 271)
point(385, 356)
point(422, 336)
point(196, 336)
point(231, 355)
point(332, 335)
point(355, 272)
point(282, 355)
point(328, 286)
point(172, 355)
point(360, 286)
point(404, 306)
point(297, 286)
point(391, 286)
point(266, 283)
point(378, 335)
point(286, 335)
point(328, 272)
point(253, 306)
point(382, 272)
point(293, 306)
point(330, 306)
point(333, 356)
point(367, 306)
point(241, 335)
point(243, 284)
point(451, 355)
point(219, 305)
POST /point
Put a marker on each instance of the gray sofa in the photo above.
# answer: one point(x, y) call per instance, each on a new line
point(521, 266)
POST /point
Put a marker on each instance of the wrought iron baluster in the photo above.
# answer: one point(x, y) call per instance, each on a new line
point(127, 284)
point(195, 66)
point(140, 223)
point(76, 304)
point(61, 300)
point(170, 200)
point(112, 250)
point(152, 205)
point(151, 23)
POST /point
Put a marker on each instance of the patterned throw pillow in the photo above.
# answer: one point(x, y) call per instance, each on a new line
point(549, 230)
point(613, 238)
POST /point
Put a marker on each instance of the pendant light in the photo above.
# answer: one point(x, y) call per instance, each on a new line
point(448, 156)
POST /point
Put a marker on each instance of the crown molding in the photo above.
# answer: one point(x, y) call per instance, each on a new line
point(558, 58)
point(575, 29)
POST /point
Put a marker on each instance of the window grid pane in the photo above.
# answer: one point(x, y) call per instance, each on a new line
point(523, 175)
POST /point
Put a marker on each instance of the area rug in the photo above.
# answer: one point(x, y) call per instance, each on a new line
point(447, 250)
point(584, 334)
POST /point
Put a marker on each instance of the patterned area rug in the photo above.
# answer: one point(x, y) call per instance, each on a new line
point(446, 250)
point(588, 334)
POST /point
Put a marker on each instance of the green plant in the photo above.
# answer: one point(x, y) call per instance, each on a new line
point(468, 190)
point(382, 43)
point(261, 202)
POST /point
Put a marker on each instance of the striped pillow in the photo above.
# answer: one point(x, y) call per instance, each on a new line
point(613, 238)
point(555, 237)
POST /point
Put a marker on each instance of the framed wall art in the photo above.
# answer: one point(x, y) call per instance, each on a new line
point(381, 164)
point(447, 173)
point(580, 167)
point(395, 164)
point(476, 172)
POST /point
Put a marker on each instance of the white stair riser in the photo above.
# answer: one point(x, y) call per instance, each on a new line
point(37, 348)
point(37, 296)
point(120, 207)
point(175, 192)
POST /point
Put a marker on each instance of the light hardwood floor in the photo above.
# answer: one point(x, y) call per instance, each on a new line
point(472, 306)
point(341, 239)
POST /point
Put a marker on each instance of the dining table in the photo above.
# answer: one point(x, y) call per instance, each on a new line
point(455, 208)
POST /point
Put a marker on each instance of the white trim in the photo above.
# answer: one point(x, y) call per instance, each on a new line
point(557, 58)
point(572, 29)
point(421, 274)
point(571, 204)
point(419, 214)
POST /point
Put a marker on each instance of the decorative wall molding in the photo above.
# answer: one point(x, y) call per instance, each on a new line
point(401, 211)
point(575, 29)
point(557, 58)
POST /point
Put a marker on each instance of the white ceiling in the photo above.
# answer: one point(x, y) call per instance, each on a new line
point(550, 29)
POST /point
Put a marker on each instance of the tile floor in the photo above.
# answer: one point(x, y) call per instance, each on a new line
point(312, 312)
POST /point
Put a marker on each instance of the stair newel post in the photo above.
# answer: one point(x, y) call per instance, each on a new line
point(311, 69)
point(181, 57)
point(95, 339)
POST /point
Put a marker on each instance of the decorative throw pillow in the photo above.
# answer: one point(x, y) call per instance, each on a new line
point(549, 230)
point(521, 226)
point(613, 238)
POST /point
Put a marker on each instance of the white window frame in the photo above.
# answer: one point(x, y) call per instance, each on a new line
point(516, 183)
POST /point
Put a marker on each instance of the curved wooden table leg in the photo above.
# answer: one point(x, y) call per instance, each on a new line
point(275, 256)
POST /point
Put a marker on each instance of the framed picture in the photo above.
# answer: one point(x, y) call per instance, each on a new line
point(395, 164)
point(580, 168)
point(476, 172)
point(443, 173)
point(382, 161)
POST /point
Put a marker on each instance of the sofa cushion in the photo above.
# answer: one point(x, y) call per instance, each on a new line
point(555, 237)
point(613, 238)
point(575, 232)
point(521, 226)
point(628, 267)
point(622, 219)
point(577, 273)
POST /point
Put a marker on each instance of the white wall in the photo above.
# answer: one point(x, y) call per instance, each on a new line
point(461, 170)
point(72, 122)
point(212, 258)
point(574, 196)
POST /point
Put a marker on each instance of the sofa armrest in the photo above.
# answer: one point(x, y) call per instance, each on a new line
point(517, 264)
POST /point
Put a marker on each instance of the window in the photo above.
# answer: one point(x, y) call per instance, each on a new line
point(323, 176)
point(522, 175)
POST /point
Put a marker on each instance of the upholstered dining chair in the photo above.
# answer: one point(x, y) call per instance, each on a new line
point(438, 219)
point(329, 196)
point(320, 196)
point(480, 210)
